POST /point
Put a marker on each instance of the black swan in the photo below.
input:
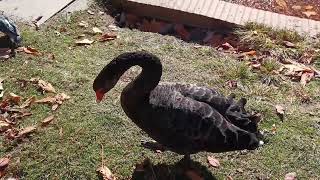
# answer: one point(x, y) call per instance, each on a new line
point(184, 118)
point(8, 27)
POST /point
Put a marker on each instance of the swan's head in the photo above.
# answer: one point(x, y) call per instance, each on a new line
point(105, 81)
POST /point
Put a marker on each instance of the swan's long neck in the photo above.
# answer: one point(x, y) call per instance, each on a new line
point(149, 77)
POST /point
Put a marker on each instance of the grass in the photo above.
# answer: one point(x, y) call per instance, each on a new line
point(70, 147)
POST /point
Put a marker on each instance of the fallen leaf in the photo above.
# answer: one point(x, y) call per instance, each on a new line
point(4, 126)
point(107, 37)
point(45, 86)
point(306, 77)
point(28, 102)
point(47, 120)
point(291, 176)
point(182, 32)
point(106, 173)
point(83, 24)
point(96, 30)
point(54, 107)
point(255, 65)
point(20, 115)
point(289, 44)
point(280, 109)
point(153, 26)
point(308, 7)
point(30, 50)
point(282, 4)
point(113, 27)
point(15, 98)
point(26, 131)
point(90, 12)
point(249, 53)
point(213, 162)
point(192, 175)
point(4, 162)
point(296, 8)
point(273, 129)
point(226, 46)
point(309, 13)
point(46, 100)
point(232, 84)
point(84, 42)
point(306, 58)
point(51, 56)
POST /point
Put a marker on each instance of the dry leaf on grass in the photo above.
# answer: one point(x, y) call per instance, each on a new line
point(45, 86)
point(51, 56)
point(28, 102)
point(250, 53)
point(4, 126)
point(30, 50)
point(107, 37)
point(106, 173)
point(47, 120)
point(55, 101)
point(289, 44)
point(309, 13)
point(83, 24)
point(306, 77)
point(280, 109)
point(213, 162)
point(296, 8)
point(297, 70)
point(26, 131)
point(308, 7)
point(15, 98)
point(96, 30)
point(291, 176)
point(182, 32)
point(4, 162)
point(21, 114)
point(282, 4)
point(274, 129)
point(226, 46)
point(84, 42)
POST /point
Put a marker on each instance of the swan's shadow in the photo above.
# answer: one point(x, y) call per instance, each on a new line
point(180, 170)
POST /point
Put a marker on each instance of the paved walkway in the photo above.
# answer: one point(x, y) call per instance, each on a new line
point(230, 13)
point(28, 10)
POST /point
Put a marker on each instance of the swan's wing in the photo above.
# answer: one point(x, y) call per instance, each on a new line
point(209, 96)
point(195, 124)
point(227, 106)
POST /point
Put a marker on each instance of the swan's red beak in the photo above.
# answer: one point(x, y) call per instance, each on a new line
point(99, 95)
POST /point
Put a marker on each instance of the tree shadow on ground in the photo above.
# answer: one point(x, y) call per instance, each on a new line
point(181, 170)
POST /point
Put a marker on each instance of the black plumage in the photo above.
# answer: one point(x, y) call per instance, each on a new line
point(184, 118)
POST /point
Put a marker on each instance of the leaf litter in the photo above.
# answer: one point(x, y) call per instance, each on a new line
point(14, 109)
